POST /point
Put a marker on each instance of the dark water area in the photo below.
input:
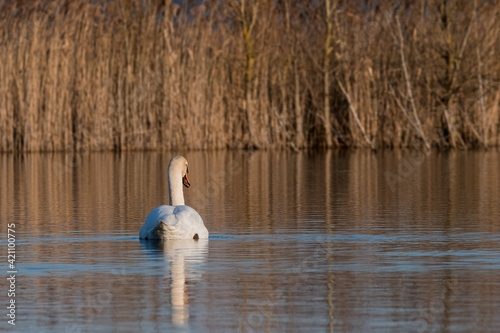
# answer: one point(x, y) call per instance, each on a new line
point(299, 242)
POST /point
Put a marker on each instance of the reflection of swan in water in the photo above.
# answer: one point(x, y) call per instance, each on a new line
point(184, 255)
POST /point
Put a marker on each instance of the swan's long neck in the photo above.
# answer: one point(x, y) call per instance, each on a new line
point(175, 194)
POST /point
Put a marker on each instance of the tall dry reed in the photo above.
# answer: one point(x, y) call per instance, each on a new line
point(133, 75)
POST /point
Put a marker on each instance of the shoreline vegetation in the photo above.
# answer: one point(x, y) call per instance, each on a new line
point(156, 75)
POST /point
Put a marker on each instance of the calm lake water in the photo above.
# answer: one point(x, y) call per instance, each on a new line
point(299, 242)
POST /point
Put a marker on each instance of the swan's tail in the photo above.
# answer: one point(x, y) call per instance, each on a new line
point(166, 231)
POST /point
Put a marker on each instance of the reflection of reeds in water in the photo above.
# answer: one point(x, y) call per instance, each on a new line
point(337, 193)
point(55, 186)
point(131, 75)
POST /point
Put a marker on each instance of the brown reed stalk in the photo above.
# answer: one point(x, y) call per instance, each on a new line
point(134, 75)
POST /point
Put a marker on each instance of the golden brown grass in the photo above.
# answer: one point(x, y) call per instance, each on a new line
point(133, 75)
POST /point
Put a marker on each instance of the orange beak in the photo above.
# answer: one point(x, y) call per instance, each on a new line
point(185, 180)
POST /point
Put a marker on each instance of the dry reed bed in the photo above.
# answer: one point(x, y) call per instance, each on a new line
point(130, 75)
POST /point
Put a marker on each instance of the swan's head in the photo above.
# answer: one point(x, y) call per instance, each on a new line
point(180, 164)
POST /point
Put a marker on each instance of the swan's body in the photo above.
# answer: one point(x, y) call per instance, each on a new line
point(173, 222)
point(176, 221)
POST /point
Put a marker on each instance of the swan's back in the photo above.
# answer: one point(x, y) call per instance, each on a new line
point(173, 222)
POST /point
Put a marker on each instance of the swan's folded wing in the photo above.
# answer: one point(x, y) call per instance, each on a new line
point(194, 221)
point(170, 232)
point(150, 227)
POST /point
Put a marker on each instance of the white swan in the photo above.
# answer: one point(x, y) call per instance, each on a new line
point(176, 221)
